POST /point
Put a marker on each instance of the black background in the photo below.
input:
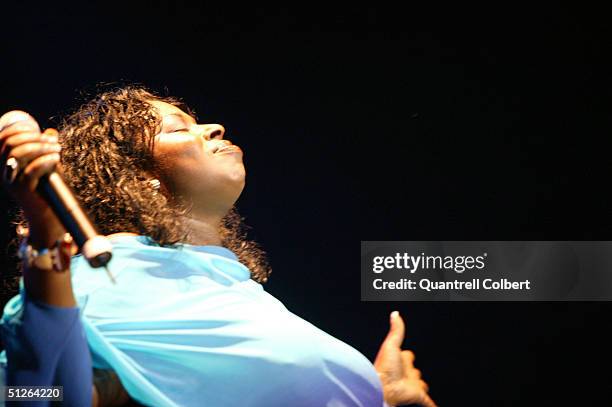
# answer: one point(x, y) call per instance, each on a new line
point(379, 123)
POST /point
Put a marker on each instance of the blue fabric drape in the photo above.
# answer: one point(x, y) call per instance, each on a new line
point(187, 326)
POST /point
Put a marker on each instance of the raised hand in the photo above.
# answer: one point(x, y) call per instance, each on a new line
point(26, 155)
point(401, 381)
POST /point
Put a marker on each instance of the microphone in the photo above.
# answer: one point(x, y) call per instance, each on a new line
point(96, 248)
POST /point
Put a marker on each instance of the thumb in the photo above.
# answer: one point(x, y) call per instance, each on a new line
point(395, 337)
point(51, 132)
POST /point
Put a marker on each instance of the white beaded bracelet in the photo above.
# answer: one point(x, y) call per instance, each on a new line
point(58, 256)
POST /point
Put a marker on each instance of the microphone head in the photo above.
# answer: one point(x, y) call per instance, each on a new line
point(15, 116)
point(97, 251)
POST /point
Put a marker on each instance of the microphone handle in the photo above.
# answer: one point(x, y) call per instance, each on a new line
point(94, 247)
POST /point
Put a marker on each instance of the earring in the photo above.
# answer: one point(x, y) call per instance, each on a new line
point(155, 184)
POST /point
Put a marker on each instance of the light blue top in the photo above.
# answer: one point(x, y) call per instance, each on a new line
point(188, 327)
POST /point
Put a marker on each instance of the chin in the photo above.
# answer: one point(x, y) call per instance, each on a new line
point(237, 175)
point(235, 181)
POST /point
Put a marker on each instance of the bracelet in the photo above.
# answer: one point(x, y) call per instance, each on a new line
point(56, 258)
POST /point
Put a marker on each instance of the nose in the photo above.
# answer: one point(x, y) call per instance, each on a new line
point(212, 131)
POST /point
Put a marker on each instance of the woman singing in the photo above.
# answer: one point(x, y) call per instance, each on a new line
point(185, 320)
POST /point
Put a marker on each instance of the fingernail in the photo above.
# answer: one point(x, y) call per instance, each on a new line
point(49, 138)
point(394, 314)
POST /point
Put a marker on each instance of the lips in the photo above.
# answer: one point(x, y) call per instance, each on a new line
point(228, 148)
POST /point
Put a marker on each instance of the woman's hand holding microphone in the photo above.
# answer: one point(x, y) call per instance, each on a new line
point(26, 155)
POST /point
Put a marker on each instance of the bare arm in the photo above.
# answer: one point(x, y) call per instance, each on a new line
point(26, 155)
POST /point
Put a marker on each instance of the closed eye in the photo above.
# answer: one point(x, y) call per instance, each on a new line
point(180, 130)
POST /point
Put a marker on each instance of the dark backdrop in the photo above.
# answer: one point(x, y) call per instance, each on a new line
point(378, 124)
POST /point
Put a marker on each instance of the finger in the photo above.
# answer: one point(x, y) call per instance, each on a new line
point(50, 136)
point(395, 337)
point(16, 140)
point(408, 357)
point(424, 385)
point(51, 132)
point(45, 164)
point(426, 401)
point(413, 374)
point(20, 126)
point(25, 153)
point(408, 365)
point(18, 132)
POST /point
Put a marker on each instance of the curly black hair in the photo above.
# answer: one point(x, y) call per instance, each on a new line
point(107, 159)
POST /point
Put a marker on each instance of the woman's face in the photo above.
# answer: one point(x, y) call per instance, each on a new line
point(195, 163)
